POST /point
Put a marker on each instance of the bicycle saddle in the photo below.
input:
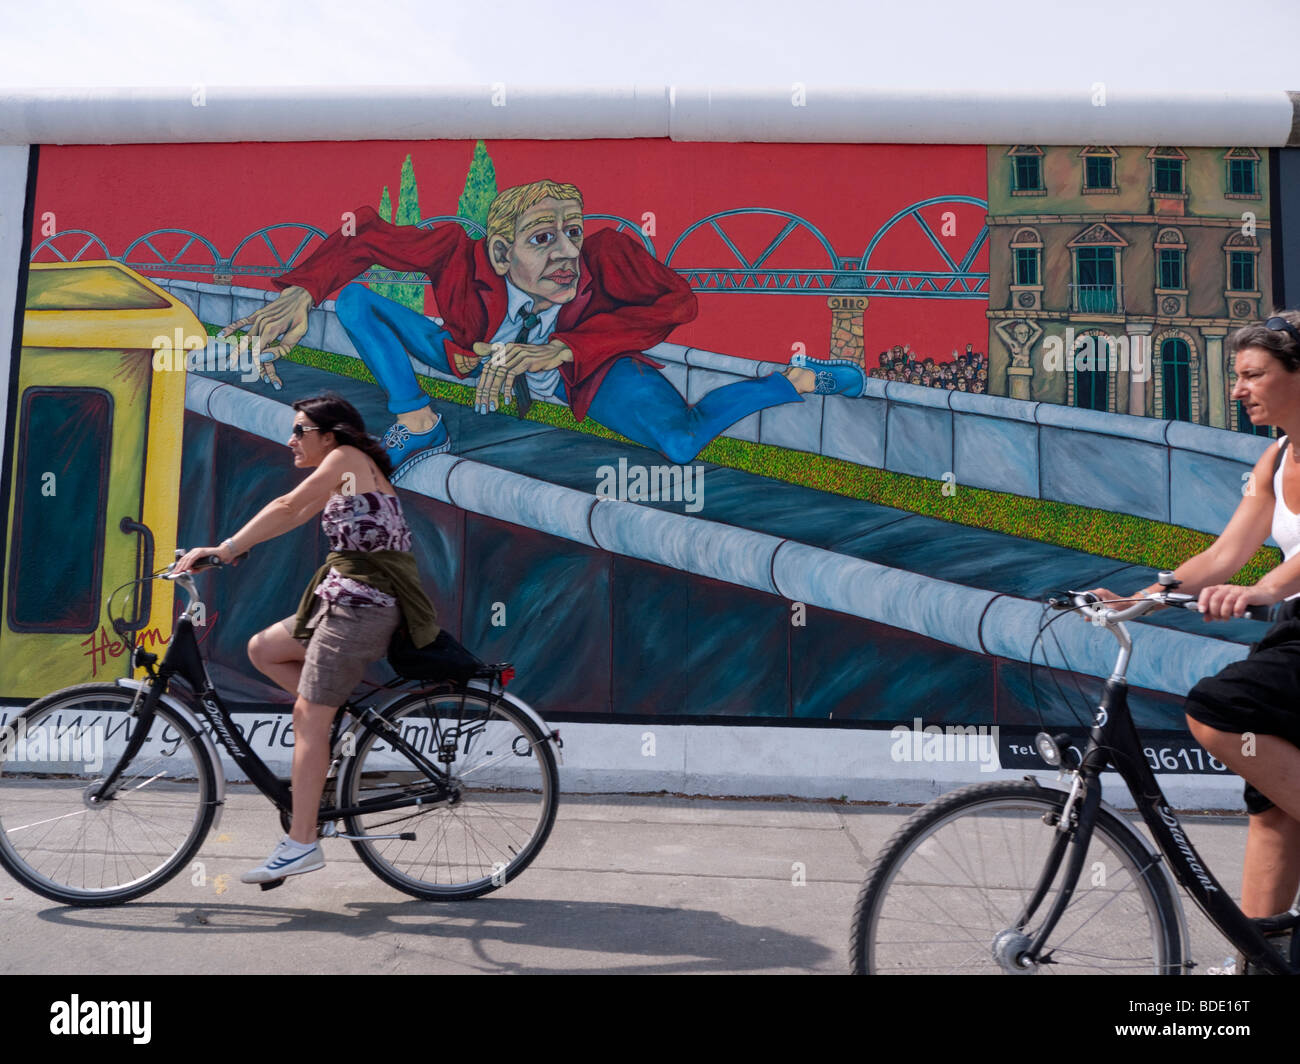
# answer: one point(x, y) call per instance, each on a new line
point(443, 659)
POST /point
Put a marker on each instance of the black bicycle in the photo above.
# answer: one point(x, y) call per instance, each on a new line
point(445, 784)
point(1024, 877)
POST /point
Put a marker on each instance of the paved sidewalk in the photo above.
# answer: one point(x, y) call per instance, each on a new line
point(625, 884)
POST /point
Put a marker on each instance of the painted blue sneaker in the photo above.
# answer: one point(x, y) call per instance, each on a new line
point(287, 859)
point(835, 376)
point(404, 446)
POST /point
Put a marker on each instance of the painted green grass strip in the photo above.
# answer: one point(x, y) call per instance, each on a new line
point(1135, 540)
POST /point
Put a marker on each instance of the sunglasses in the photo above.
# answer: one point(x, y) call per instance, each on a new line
point(301, 430)
point(1282, 325)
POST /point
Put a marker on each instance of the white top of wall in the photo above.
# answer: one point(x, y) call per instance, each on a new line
point(943, 71)
point(796, 112)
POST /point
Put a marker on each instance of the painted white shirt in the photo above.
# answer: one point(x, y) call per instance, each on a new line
point(544, 383)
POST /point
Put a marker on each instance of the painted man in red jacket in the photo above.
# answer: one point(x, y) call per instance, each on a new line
point(538, 300)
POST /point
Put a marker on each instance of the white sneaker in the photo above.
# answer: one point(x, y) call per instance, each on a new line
point(286, 860)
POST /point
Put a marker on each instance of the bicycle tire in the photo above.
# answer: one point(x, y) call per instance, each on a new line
point(114, 851)
point(502, 770)
point(946, 890)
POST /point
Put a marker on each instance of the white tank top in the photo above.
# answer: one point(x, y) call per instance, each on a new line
point(1286, 525)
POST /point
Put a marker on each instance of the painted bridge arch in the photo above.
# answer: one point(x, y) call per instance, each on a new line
point(161, 261)
point(282, 262)
point(753, 275)
point(68, 239)
point(959, 281)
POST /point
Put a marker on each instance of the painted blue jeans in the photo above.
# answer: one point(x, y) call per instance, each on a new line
point(635, 400)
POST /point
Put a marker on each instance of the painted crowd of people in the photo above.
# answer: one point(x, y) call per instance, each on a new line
point(964, 372)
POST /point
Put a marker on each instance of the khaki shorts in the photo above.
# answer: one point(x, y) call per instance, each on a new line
point(344, 640)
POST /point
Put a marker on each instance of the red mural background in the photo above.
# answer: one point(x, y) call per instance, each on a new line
point(848, 192)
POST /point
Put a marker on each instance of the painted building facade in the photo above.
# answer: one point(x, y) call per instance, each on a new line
point(1117, 273)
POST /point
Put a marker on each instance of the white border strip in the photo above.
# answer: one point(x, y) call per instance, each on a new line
point(795, 113)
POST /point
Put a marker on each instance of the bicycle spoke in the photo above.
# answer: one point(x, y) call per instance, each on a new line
point(120, 847)
point(939, 897)
point(501, 805)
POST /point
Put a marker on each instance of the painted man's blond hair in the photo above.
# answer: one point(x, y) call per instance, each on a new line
point(510, 204)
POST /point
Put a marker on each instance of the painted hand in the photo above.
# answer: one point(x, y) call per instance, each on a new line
point(506, 361)
point(274, 330)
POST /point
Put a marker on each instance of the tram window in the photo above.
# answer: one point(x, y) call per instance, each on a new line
point(57, 550)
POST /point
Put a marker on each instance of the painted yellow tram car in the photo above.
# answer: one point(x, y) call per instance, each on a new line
point(96, 472)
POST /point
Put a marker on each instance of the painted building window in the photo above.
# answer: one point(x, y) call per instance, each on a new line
point(1098, 172)
point(1176, 370)
point(1026, 170)
point(1171, 267)
point(1090, 385)
point(1095, 291)
point(1243, 173)
point(1169, 176)
point(1241, 271)
point(1167, 169)
point(1099, 169)
point(1241, 177)
point(60, 494)
point(1026, 265)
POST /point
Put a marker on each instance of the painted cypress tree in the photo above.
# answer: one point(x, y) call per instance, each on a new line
point(388, 291)
point(408, 196)
point(408, 213)
point(480, 187)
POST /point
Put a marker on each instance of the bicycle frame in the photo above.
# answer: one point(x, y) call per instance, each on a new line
point(1114, 742)
point(183, 660)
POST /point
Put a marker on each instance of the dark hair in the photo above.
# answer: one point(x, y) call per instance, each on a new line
point(1277, 342)
point(333, 413)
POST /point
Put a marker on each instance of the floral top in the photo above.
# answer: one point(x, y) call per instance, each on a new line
point(366, 522)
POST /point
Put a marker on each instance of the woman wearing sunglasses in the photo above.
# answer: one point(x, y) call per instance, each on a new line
point(1248, 716)
point(368, 585)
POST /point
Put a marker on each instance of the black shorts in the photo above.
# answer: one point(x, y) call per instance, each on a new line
point(1260, 694)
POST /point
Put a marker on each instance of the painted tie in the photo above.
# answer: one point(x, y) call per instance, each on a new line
point(523, 398)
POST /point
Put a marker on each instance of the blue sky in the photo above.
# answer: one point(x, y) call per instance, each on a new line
point(1131, 45)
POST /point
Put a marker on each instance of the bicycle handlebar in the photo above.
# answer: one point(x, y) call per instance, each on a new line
point(209, 561)
point(1102, 613)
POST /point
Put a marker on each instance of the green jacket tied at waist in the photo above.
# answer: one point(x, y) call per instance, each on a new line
point(391, 571)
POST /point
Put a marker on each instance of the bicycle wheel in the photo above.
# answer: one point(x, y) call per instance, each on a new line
point(55, 841)
point(504, 789)
point(947, 891)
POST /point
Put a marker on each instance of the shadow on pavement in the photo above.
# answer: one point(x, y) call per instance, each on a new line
point(683, 940)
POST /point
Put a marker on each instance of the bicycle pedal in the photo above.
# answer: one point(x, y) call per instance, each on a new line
point(272, 884)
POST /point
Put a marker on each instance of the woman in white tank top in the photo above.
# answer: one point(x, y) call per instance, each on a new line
point(1286, 521)
point(1260, 695)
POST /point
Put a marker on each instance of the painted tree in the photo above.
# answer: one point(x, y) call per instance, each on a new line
point(480, 187)
point(408, 213)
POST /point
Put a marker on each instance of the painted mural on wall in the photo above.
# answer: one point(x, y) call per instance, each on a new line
point(671, 294)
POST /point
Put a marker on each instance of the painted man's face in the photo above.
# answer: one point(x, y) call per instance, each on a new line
point(543, 259)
